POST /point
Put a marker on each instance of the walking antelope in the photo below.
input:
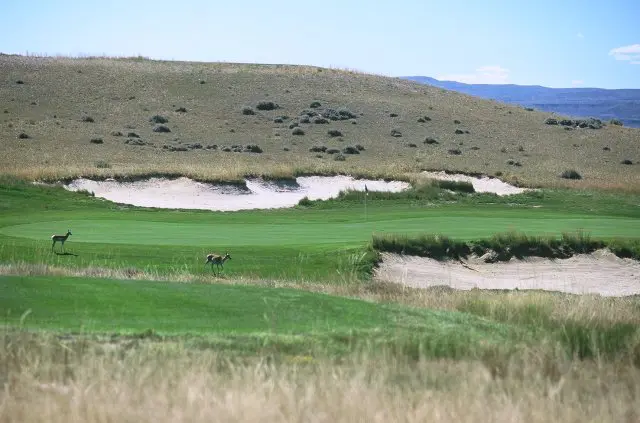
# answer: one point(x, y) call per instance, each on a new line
point(217, 260)
point(61, 238)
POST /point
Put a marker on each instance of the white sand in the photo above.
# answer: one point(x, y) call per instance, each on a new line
point(598, 273)
point(185, 193)
point(483, 184)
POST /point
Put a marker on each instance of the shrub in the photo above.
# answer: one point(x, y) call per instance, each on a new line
point(626, 162)
point(529, 109)
point(334, 133)
point(350, 150)
point(158, 119)
point(305, 202)
point(19, 82)
point(393, 115)
point(340, 114)
point(133, 135)
point(412, 145)
point(459, 131)
point(253, 148)
point(606, 148)
point(304, 119)
point(570, 174)
point(617, 122)
point(161, 129)
point(278, 120)
point(315, 105)
point(396, 133)
point(101, 164)
point(136, 141)
point(318, 149)
point(247, 111)
point(96, 141)
point(87, 119)
point(297, 131)
point(339, 158)
point(181, 110)
point(23, 136)
point(320, 120)
point(360, 147)
point(457, 122)
point(267, 105)
point(429, 140)
point(551, 121)
point(421, 120)
point(332, 151)
point(457, 186)
point(116, 133)
point(455, 152)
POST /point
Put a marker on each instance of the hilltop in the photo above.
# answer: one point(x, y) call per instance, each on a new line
point(101, 117)
point(606, 104)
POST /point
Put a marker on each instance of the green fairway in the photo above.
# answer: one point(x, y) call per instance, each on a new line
point(325, 242)
point(70, 304)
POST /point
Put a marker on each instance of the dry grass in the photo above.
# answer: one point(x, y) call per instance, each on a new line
point(47, 379)
point(121, 94)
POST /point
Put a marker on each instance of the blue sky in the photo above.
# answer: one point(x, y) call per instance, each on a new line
point(556, 44)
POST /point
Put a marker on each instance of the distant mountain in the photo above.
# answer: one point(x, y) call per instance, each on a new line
point(623, 104)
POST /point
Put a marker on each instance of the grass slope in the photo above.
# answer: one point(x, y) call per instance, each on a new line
point(204, 103)
point(238, 314)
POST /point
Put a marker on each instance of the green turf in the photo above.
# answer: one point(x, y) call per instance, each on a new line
point(324, 242)
point(236, 313)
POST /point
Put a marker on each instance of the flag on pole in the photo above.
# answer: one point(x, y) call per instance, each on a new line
point(366, 190)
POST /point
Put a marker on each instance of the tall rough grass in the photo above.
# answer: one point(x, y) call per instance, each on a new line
point(504, 245)
point(75, 380)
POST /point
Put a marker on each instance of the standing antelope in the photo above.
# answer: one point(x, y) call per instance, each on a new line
point(61, 238)
point(217, 260)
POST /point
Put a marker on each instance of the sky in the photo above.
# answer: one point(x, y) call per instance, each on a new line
point(564, 43)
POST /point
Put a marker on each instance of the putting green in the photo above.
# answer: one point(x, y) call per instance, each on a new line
point(301, 232)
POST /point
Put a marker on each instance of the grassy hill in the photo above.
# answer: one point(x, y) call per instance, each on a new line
point(64, 117)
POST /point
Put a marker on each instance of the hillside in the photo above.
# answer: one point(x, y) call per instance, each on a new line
point(622, 104)
point(64, 117)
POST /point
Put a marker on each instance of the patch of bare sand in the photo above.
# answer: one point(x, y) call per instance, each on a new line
point(600, 273)
point(185, 193)
point(480, 184)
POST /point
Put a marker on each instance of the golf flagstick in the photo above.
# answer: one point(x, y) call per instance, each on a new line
point(366, 194)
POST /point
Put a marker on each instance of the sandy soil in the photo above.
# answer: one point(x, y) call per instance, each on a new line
point(484, 184)
point(599, 273)
point(188, 194)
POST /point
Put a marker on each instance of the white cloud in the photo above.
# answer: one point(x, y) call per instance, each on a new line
point(629, 53)
point(577, 82)
point(482, 75)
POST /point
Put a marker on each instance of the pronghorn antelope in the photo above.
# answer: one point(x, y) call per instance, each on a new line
point(61, 238)
point(217, 260)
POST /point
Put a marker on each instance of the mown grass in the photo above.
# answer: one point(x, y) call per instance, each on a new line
point(132, 90)
point(250, 319)
point(324, 241)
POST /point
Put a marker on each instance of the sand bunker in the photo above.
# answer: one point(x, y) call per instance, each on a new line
point(185, 193)
point(599, 273)
point(483, 184)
